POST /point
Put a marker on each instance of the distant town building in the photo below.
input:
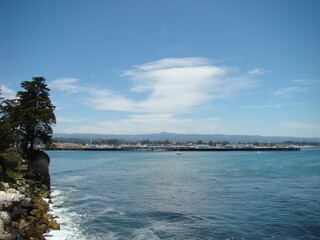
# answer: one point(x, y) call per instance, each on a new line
point(202, 146)
point(229, 146)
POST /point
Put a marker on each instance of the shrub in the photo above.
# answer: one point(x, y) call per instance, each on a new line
point(10, 176)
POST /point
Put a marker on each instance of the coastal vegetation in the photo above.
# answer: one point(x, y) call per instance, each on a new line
point(25, 121)
point(28, 118)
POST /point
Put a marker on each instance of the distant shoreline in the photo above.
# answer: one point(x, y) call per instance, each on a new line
point(174, 149)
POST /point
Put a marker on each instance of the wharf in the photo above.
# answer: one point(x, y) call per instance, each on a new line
point(176, 149)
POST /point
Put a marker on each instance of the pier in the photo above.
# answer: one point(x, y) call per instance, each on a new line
point(175, 149)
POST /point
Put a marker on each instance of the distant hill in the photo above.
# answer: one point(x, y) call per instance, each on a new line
point(174, 137)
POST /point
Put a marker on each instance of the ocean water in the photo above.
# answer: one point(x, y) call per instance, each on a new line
point(196, 195)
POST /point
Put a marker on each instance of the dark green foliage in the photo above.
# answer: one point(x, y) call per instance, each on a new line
point(10, 157)
point(10, 176)
point(36, 112)
point(7, 135)
point(9, 161)
point(31, 115)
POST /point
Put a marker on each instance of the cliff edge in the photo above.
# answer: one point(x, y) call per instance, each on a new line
point(25, 196)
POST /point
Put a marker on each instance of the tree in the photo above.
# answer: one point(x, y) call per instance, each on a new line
point(7, 136)
point(36, 113)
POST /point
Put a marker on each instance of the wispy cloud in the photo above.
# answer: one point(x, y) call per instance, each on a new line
point(307, 81)
point(300, 125)
point(7, 93)
point(258, 71)
point(275, 105)
point(173, 63)
point(171, 85)
point(67, 84)
point(289, 91)
point(302, 85)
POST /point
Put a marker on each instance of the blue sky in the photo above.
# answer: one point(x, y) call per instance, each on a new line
point(182, 66)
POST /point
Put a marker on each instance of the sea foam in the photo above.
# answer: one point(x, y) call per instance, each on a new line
point(68, 219)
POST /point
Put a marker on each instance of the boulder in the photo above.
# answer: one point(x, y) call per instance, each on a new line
point(6, 237)
point(5, 185)
point(11, 197)
point(11, 190)
point(2, 187)
point(26, 203)
point(39, 167)
point(54, 225)
point(5, 217)
point(6, 206)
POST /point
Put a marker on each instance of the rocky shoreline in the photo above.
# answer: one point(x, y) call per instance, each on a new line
point(24, 205)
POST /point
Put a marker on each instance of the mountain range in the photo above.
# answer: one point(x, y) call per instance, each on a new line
point(174, 137)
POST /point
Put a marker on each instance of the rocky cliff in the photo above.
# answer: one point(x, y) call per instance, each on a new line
point(24, 200)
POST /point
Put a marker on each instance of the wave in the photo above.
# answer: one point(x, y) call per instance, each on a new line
point(69, 220)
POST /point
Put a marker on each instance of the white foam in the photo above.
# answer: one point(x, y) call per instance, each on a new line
point(145, 234)
point(69, 220)
point(73, 178)
point(110, 210)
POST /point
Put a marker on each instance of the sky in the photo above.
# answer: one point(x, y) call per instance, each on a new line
point(249, 67)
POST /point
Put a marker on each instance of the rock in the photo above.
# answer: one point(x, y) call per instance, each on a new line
point(35, 212)
point(10, 197)
point(48, 216)
point(23, 212)
point(6, 237)
point(6, 185)
point(5, 217)
point(6, 206)
point(54, 225)
point(11, 190)
point(23, 224)
point(22, 189)
point(26, 203)
point(33, 233)
point(42, 205)
point(39, 167)
point(2, 188)
point(1, 226)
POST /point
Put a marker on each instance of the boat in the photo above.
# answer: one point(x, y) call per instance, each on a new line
point(179, 153)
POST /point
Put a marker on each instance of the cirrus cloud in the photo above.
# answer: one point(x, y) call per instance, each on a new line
point(289, 91)
point(258, 71)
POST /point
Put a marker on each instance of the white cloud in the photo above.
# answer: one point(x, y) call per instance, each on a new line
point(7, 93)
point(275, 105)
point(288, 91)
point(307, 81)
point(66, 84)
point(139, 124)
point(258, 71)
point(176, 85)
point(173, 63)
point(300, 125)
point(171, 86)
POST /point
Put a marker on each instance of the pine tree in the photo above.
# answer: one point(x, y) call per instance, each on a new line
point(36, 113)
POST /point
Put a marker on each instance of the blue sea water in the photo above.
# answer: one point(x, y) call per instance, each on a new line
point(196, 195)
